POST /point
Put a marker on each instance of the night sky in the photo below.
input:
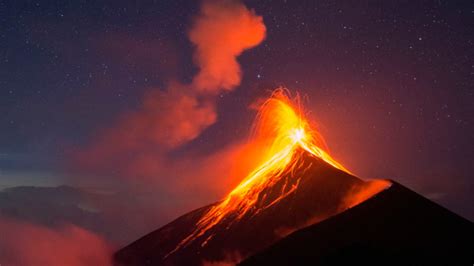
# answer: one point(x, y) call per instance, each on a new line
point(390, 83)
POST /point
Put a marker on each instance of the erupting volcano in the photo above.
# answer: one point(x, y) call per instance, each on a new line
point(300, 206)
point(138, 133)
point(291, 139)
point(297, 183)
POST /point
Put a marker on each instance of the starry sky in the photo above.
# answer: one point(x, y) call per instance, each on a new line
point(390, 83)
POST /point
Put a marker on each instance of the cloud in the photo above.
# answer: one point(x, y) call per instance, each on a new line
point(27, 244)
point(139, 139)
point(138, 142)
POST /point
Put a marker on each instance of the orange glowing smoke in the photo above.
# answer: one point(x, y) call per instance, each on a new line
point(221, 32)
point(177, 114)
point(281, 124)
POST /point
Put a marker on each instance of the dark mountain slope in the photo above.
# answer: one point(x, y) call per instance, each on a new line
point(395, 227)
point(320, 193)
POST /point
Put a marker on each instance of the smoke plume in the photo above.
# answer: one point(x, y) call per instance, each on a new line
point(222, 31)
point(171, 117)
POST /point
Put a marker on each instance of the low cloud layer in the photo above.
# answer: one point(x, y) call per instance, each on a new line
point(23, 244)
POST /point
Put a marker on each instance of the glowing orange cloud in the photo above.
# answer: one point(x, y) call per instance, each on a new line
point(177, 114)
point(358, 195)
point(222, 31)
point(27, 244)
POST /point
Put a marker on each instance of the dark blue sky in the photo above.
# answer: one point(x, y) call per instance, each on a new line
point(389, 83)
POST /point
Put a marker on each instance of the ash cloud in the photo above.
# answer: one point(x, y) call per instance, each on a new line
point(222, 31)
point(168, 118)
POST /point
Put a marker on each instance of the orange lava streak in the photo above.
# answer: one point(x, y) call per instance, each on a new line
point(283, 128)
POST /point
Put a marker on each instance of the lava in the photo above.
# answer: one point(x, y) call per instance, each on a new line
point(281, 123)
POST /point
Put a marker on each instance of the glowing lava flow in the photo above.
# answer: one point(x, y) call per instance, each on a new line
point(283, 127)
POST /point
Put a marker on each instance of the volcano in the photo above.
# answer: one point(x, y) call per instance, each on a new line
point(295, 186)
point(321, 193)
